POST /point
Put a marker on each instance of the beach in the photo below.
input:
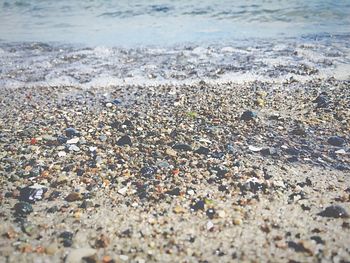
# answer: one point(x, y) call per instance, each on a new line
point(174, 131)
point(254, 172)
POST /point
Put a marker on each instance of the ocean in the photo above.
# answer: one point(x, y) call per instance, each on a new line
point(104, 42)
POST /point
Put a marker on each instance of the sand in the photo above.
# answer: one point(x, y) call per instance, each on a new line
point(189, 173)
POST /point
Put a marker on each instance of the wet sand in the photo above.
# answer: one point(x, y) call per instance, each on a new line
point(254, 172)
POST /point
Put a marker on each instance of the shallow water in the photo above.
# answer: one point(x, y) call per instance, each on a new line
point(106, 43)
point(167, 22)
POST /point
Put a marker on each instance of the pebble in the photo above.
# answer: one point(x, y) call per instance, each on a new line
point(170, 152)
point(182, 146)
point(336, 141)
point(197, 205)
point(23, 208)
point(32, 193)
point(123, 190)
point(341, 151)
point(254, 148)
point(322, 100)
point(125, 140)
point(61, 154)
point(73, 140)
point(248, 115)
point(71, 132)
point(74, 196)
point(202, 150)
point(76, 255)
point(74, 148)
point(210, 213)
point(51, 249)
point(334, 211)
point(148, 171)
point(210, 226)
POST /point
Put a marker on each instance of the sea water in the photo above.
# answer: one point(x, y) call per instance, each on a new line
point(105, 42)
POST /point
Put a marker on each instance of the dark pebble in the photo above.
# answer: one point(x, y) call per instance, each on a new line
point(248, 115)
point(253, 187)
point(197, 205)
point(223, 188)
point(322, 101)
point(210, 213)
point(31, 194)
point(117, 102)
point(125, 140)
point(269, 151)
point(67, 242)
point(62, 139)
point(318, 240)
point(148, 171)
point(297, 247)
point(336, 141)
point(80, 172)
point(217, 155)
point(292, 151)
point(71, 132)
point(23, 208)
point(334, 211)
point(175, 191)
point(66, 235)
point(202, 150)
point(182, 146)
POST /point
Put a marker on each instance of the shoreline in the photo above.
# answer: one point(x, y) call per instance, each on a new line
point(189, 173)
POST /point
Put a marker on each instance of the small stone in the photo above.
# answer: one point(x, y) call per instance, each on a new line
point(198, 205)
point(125, 140)
point(103, 138)
point(117, 102)
point(210, 226)
point(73, 140)
point(334, 211)
point(66, 235)
point(74, 196)
point(109, 105)
point(74, 148)
point(322, 100)
point(32, 193)
point(341, 151)
point(123, 190)
point(170, 152)
point(51, 249)
point(102, 241)
point(175, 191)
point(23, 208)
point(237, 221)
point(336, 141)
point(61, 154)
point(202, 150)
point(210, 213)
point(71, 132)
point(76, 255)
point(124, 257)
point(179, 210)
point(269, 151)
point(182, 146)
point(248, 115)
point(86, 204)
point(148, 171)
point(254, 148)
point(217, 155)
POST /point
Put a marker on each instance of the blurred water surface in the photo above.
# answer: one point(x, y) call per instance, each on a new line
point(166, 22)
